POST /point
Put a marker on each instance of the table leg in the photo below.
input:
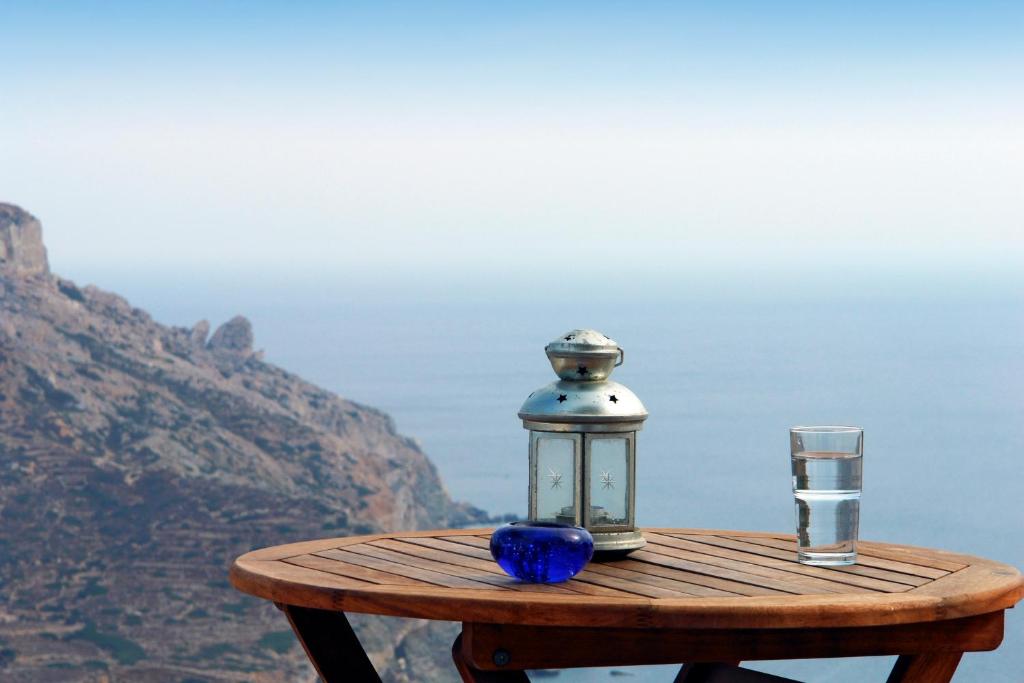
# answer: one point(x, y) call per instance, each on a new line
point(331, 645)
point(727, 672)
point(698, 672)
point(927, 668)
point(473, 675)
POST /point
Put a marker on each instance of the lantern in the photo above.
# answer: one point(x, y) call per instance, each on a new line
point(583, 443)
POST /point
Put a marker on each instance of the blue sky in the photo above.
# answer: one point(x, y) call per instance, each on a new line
point(461, 138)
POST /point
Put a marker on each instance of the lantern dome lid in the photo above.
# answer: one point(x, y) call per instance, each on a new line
point(588, 402)
point(584, 341)
point(584, 355)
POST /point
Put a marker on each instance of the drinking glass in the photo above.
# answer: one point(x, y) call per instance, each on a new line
point(827, 465)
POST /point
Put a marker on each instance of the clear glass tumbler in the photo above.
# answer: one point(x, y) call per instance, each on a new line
point(827, 465)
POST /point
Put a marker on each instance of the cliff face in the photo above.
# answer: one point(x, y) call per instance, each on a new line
point(137, 460)
point(21, 242)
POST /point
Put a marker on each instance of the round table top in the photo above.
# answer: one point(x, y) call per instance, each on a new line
point(682, 578)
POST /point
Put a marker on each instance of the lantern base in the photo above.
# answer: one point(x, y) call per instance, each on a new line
point(615, 545)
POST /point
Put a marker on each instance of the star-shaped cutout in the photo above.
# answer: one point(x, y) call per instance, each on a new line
point(607, 480)
point(562, 398)
point(613, 398)
point(582, 370)
point(556, 478)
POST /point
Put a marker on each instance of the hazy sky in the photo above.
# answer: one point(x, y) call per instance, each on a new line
point(426, 137)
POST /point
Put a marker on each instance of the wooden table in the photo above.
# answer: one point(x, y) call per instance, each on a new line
point(707, 598)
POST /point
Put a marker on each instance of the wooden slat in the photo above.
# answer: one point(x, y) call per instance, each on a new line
point(669, 557)
point(868, 562)
point(719, 551)
point(452, 547)
point(287, 584)
point(424, 573)
point(462, 562)
point(786, 564)
point(588, 575)
point(757, 575)
point(720, 587)
point(279, 552)
point(508, 582)
point(485, 555)
point(427, 547)
point(912, 556)
point(354, 572)
point(923, 557)
point(830, 573)
point(712, 577)
point(709, 532)
point(697, 579)
point(653, 579)
point(476, 541)
point(699, 582)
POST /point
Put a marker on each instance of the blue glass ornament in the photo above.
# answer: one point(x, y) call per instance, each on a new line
point(542, 552)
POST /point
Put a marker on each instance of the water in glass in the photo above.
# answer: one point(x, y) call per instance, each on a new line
point(827, 487)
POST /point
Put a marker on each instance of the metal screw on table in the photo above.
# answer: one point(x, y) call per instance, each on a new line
point(501, 657)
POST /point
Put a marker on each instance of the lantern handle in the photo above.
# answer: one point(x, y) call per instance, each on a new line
point(622, 357)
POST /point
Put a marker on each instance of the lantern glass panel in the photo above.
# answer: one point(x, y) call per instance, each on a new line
point(554, 477)
point(609, 481)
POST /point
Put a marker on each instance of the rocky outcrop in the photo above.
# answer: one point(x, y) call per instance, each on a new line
point(137, 460)
point(199, 332)
point(231, 344)
point(232, 338)
point(21, 243)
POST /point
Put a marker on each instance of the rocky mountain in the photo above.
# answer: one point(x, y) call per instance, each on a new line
point(137, 460)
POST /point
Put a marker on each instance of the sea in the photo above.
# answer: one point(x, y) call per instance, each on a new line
point(932, 368)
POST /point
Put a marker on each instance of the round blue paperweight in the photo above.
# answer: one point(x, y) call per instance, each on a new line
point(542, 552)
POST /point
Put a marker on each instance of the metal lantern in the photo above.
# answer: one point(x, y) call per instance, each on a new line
point(583, 443)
